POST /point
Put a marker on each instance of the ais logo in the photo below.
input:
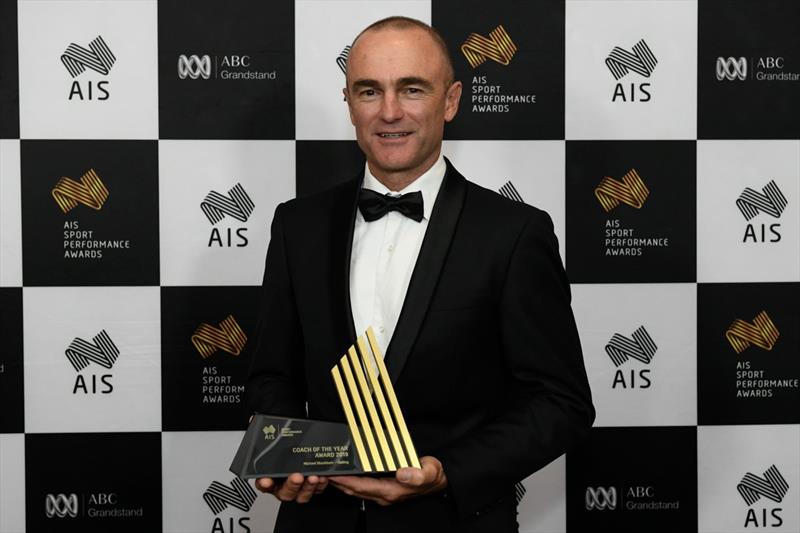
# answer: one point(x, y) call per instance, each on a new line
point(762, 332)
point(236, 205)
point(771, 486)
point(101, 351)
point(640, 61)
point(97, 57)
point(498, 47)
point(239, 495)
point(342, 59)
point(228, 337)
point(771, 202)
point(639, 346)
point(509, 191)
point(89, 191)
point(630, 191)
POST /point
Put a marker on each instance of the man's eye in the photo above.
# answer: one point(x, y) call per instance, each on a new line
point(413, 90)
point(368, 92)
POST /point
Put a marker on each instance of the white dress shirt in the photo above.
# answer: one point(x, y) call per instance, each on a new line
point(384, 254)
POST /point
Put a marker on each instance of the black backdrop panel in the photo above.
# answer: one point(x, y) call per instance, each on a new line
point(240, 85)
point(106, 237)
point(523, 99)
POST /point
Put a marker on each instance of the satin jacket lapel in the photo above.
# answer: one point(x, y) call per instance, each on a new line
point(429, 265)
point(342, 222)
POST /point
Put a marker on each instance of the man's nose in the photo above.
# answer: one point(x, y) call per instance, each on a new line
point(391, 110)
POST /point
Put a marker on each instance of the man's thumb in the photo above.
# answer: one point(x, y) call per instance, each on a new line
point(410, 476)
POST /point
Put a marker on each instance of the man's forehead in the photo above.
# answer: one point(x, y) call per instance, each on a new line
point(390, 53)
point(393, 45)
point(392, 36)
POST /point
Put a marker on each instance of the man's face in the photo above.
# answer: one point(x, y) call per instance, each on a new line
point(399, 99)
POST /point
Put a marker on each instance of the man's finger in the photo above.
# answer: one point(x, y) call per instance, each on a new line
point(307, 489)
point(323, 482)
point(288, 491)
point(265, 484)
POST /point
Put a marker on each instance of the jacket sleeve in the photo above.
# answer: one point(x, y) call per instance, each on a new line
point(276, 384)
point(548, 408)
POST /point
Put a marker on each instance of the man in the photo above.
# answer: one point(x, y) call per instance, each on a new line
point(467, 295)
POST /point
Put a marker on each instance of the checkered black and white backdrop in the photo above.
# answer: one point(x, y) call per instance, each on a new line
point(146, 144)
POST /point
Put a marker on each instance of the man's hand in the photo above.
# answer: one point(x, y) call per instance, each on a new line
point(295, 488)
point(408, 483)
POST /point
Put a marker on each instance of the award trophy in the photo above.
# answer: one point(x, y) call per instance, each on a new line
point(277, 446)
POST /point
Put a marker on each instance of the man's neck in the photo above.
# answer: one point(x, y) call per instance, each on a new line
point(397, 181)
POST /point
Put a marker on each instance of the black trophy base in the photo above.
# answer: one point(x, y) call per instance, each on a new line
point(277, 447)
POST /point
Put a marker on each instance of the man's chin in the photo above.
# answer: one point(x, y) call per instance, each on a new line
point(392, 165)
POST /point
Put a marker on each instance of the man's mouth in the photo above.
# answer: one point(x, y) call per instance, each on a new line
point(394, 135)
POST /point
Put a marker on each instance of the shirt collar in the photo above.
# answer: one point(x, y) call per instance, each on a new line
point(428, 183)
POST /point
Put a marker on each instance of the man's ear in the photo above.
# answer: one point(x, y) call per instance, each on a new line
point(452, 99)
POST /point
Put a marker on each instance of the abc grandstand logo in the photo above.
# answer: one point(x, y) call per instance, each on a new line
point(194, 67)
point(600, 498)
point(731, 68)
point(756, 68)
point(61, 505)
point(222, 67)
point(631, 498)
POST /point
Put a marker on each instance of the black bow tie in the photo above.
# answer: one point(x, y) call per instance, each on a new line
point(374, 205)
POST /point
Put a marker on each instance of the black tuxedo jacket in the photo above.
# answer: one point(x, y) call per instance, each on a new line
point(485, 358)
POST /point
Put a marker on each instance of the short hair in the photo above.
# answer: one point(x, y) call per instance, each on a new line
point(398, 22)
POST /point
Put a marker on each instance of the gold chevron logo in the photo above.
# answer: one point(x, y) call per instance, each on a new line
point(90, 192)
point(498, 47)
point(630, 191)
point(762, 333)
point(228, 337)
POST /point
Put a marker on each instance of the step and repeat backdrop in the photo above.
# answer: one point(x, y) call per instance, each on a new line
point(146, 144)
